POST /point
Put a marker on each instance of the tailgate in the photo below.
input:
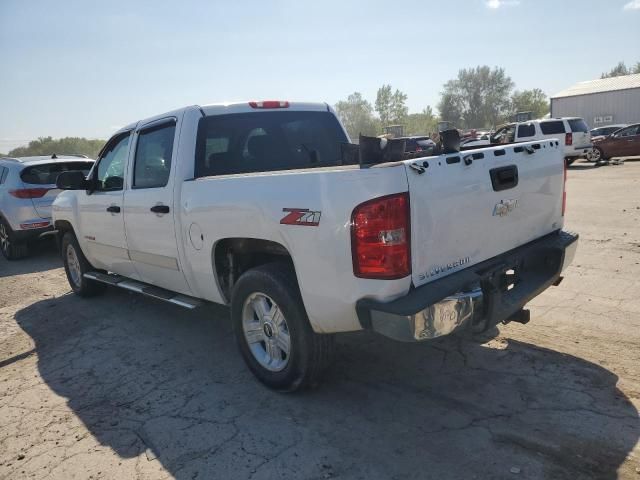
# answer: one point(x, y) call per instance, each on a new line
point(472, 206)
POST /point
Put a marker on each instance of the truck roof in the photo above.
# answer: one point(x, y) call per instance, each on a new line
point(234, 107)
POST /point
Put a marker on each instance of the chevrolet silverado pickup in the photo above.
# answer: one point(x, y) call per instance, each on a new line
point(254, 205)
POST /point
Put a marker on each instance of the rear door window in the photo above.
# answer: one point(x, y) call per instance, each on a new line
point(578, 125)
point(267, 141)
point(552, 127)
point(47, 173)
point(526, 130)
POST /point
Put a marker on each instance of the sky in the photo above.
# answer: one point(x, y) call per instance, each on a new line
point(86, 68)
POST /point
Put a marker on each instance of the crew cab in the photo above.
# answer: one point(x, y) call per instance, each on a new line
point(572, 132)
point(254, 205)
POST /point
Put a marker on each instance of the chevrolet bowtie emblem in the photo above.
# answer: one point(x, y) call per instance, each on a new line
point(503, 207)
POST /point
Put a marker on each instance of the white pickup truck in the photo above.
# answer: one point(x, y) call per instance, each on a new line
point(252, 205)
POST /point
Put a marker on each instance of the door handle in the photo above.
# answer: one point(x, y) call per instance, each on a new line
point(113, 209)
point(160, 209)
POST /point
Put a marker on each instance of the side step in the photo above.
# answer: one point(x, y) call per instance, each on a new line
point(145, 289)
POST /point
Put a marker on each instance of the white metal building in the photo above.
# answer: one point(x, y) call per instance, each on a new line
point(600, 102)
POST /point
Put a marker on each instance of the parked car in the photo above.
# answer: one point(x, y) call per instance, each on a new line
point(621, 143)
point(27, 190)
point(605, 131)
point(418, 144)
point(250, 205)
point(572, 133)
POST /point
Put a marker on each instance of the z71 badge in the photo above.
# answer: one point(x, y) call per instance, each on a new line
point(301, 216)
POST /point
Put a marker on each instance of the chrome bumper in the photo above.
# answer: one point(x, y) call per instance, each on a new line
point(437, 320)
point(482, 295)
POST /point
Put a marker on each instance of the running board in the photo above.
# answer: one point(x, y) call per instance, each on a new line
point(145, 289)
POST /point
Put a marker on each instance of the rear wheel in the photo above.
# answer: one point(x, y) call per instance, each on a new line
point(10, 248)
point(76, 265)
point(273, 331)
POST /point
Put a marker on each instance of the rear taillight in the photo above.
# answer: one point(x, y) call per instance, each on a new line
point(568, 138)
point(564, 189)
point(29, 192)
point(381, 238)
point(269, 104)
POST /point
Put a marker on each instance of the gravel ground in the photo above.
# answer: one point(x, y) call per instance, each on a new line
point(126, 387)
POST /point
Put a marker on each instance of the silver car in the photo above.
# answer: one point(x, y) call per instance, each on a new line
point(27, 190)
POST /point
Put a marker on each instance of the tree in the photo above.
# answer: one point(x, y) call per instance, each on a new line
point(61, 146)
point(390, 105)
point(421, 123)
point(621, 69)
point(356, 114)
point(479, 97)
point(534, 101)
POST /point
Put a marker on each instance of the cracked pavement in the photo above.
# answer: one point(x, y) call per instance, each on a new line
point(122, 386)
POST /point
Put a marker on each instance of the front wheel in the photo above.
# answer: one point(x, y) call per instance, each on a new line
point(76, 265)
point(273, 331)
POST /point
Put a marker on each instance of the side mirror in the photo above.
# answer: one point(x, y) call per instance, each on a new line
point(72, 180)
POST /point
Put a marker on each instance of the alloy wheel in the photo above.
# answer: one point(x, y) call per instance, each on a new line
point(5, 242)
point(266, 331)
point(74, 266)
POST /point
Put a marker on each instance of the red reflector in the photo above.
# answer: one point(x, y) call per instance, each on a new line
point(29, 192)
point(269, 104)
point(381, 238)
point(568, 139)
point(29, 226)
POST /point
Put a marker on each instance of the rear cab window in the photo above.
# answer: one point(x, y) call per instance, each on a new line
point(47, 173)
point(267, 141)
point(552, 127)
point(578, 125)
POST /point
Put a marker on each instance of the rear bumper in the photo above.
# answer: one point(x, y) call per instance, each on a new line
point(32, 233)
point(477, 297)
point(580, 151)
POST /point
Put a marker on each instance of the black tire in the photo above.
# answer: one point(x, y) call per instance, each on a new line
point(10, 248)
point(309, 353)
point(80, 285)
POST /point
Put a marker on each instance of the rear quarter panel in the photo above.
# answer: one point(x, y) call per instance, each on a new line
point(251, 206)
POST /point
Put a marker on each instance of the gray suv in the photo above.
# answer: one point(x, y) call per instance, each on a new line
point(27, 190)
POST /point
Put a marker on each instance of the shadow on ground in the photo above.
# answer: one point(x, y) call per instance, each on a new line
point(150, 379)
point(43, 256)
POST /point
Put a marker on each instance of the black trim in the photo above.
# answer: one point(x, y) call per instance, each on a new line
point(538, 265)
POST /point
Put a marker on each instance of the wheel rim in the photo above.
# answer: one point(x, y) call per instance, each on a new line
point(595, 155)
point(5, 243)
point(266, 331)
point(74, 266)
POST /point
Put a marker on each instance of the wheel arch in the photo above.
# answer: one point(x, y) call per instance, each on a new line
point(233, 256)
